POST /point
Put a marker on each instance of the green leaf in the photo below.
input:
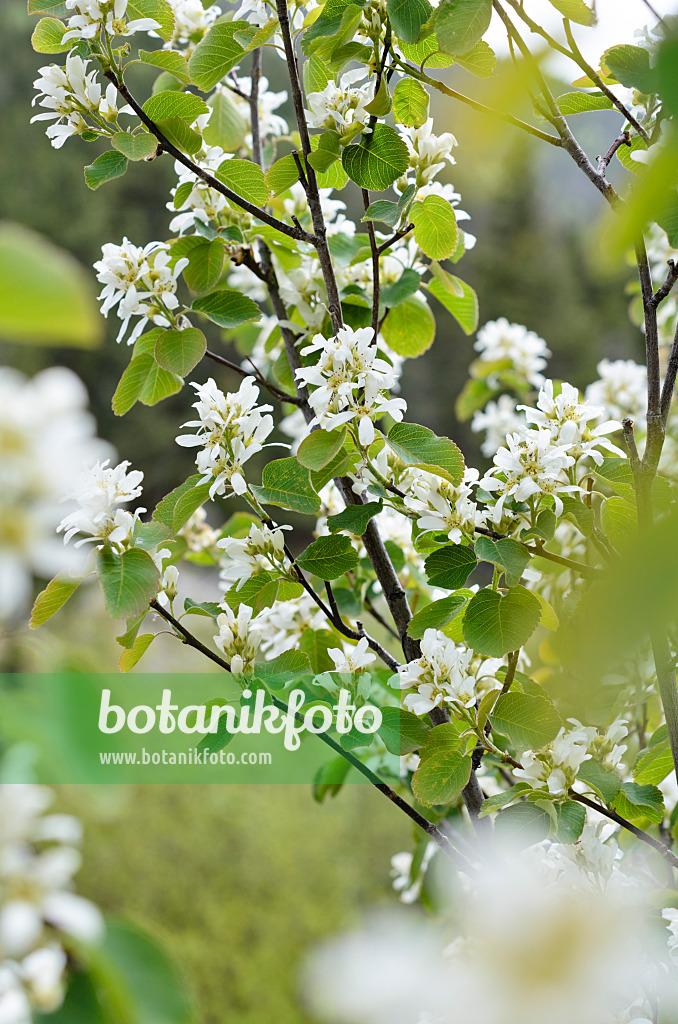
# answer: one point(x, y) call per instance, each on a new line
point(440, 778)
point(581, 102)
point(427, 51)
point(605, 783)
point(57, 8)
point(131, 655)
point(282, 175)
point(47, 36)
point(46, 297)
point(330, 778)
point(379, 106)
point(436, 615)
point(410, 327)
point(129, 581)
point(328, 558)
point(383, 210)
point(410, 103)
point(616, 473)
point(216, 54)
point(495, 625)
point(52, 598)
point(168, 60)
point(408, 17)
point(315, 644)
point(508, 796)
point(159, 384)
point(159, 10)
point(175, 104)
point(226, 127)
point(528, 722)
point(667, 74)
point(320, 448)
point(354, 518)
point(618, 520)
point(149, 535)
point(205, 263)
point(418, 446)
point(277, 590)
point(407, 284)
point(575, 10)
point(508, 555)
point(246, 179)
point(402, 732)
point(654, 764)
point(460, 24)
point(571, 819)
point(131, 384)
point(630, 65)
point(105, 168)
point(450, 567)
point(522, 825)
point(463, 308)
point(377, 160)
point(480, 61)
point(634, 802)
point(135, 147)
point(577, 512)
point(227, 308)
point(287, 483)
point(177, 507)
point(335, 176)
point(177, 131)
point(435, 227)
point(180, 351)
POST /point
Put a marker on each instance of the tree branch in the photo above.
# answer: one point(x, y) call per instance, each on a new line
point(644, 837)
point(281, 396)
point(669, 380)
point(375, 268)
point(664, 290)
point(604, 161)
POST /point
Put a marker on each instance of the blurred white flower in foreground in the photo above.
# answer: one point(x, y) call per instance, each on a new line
point(39, 911)
point(46, 438)
point(530, 944)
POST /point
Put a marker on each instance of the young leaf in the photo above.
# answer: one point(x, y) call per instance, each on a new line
point(377, 160)
point(320, 447)
point(216, 54)
point(330, 778)
point(407, 284)
point(177, 131)
point(605, 783)
point(354, 518)
point(418, 446)
point(409, 328)
point(287, 483)
point(180, 351)
point(168, 60)
point(131, 384)
point(131, 655)
point(227, 308)
point(450, 567)
point(410, 103)
point(226, 126)
point(435, 227)
point(282, 175)
point(581, 102)
point(159, 10)
point(427, 51)
point(205, 263)
point(630, 65)
point(328, 558)
point(177, 507)
point(436, 615)
point(463, 308)
point(496, 624)
point(52, 598)
point(460, 24)
point(159, 384)
point(401, 731)
point(47, 36)
point(175, 104)
point(575, 10)
point(105, 168)
point(246, 179)
point(528, 722)
point(135, 147)
point(654, 764)
point(440, 778)
point(508, 555)
point(480, 61)
point(129, 581)
point(634, 802)
point(408, 17)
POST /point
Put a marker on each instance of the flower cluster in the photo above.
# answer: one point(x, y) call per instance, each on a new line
point(140, 282)
point(93, 16)
point(621, 389)
point(428, 152)
point(569, 422)
point(39, 912)
point(239, 637)
point(442, 507)
point(192, 21)
point(530, 467)
point(513, 346)
point(442, 676)
point(202, 204)
point(231, 429)
point(71, 94)
point(352, 659)
point(262, 549)
point(555, 766)
point(350, 382)
point(497, 420)
point(98, 515)
point(285, 622)
point(341, 105)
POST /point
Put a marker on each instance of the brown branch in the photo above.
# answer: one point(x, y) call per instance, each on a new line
point(510, 671)
point(604, 161)
point(395, 238)
point(669, 380)
point(281, 396)
point(644, 837)
point(665, 288)
point(375, 268)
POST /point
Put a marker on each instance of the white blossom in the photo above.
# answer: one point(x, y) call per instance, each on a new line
point(352, 659)
point(530, 467)
point(621, 389)
point(239, 637)
point(350, 382)
point(98, 515)
point(428, 152)
point(271, 125)
point(192, 21)
point(341, 104)
point(285, 622)
point(231, 428)
point(568, 420)
point(140, 282)
point(202, 204)
point(93, 16)
point(70, 94)
point(441, 676)
point(555, 766)
point(514, 346)
point(443, 507)
point(497, 420)
point(408, 887)
point(670, 915)
point(262, 549)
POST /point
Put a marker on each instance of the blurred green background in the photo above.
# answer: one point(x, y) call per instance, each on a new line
point(241, 881)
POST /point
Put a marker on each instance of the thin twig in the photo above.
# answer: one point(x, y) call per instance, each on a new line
point(580, 567)
point(631, 447)
point(510, 671)
point(670, 379)
point(375, 268)
point(604, 161)
point(281, 396)
point(394, 238)
point(665, 288)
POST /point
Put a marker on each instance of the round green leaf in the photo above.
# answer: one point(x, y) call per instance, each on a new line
point(460, 24)
point(47, 36)
point(407, 17)
point(180, 351)
point(377, 159)
point(135, 147)
point(328, 558)
point(450, 567)
point(216, 54)
point(410, 103)
point(246, 179)
point(129, 581)
point(320, 447)
point(441, 777)
point(409, 328)
point(105, 168)
point(530, 722)
point(416, 445)
point(496, 624)
point(435, 227)
point(227, 308)
point(522, 825)
point(169, 60)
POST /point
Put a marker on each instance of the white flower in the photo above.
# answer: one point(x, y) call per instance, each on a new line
point(192, 21)
point(262, 549)
point(516, 347)
point(350, 382)
point(340, 106)
point(496, 421)
point(231, 429)
point(568, 421)
point(70, 94)
point(555, 766)
point(256, 12)
point(621, 390)
point(140, 282)
point(531, 466)
point(285, 622)
point(407, 887)
point(97, 516)
point(239, 637)
point(428, 152)
point(94, 15)
point(670, 915)
point(442, 675)
point(441, 506)
point(353, 659)
point(202, 204)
